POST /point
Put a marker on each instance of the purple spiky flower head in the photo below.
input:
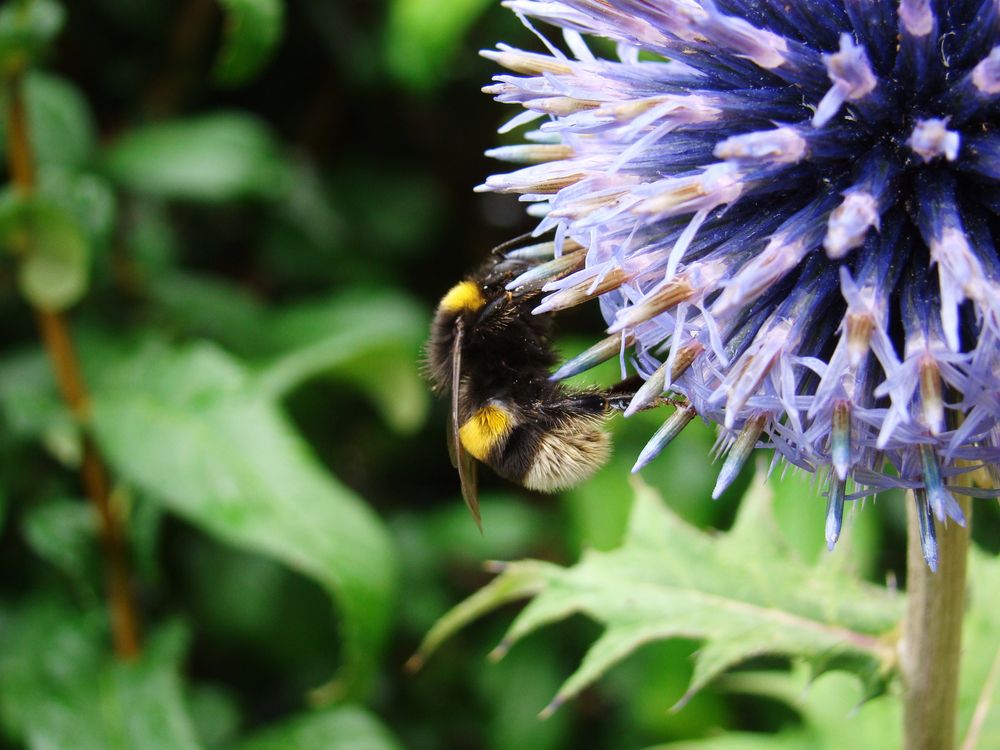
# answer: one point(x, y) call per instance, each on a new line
point(789, 214)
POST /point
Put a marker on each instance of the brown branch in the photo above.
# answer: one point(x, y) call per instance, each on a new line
point(190, 33)
point(59, 345)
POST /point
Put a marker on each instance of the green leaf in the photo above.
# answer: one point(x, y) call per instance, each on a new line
point(194, 430)
point(215, 714)
point(59, 688)
point(422, 36)
point(64, 533)
point(206, 307)
point(61, 124)
point(979, 679)
point(341, 728)
point(743, 594)
point(54, 274)
point(370, 338)
point(251, 32)
point(87, 198)
point(218, 157)
point(832, 716)
point(27, 28)
point(31, 408)
point(52, 249)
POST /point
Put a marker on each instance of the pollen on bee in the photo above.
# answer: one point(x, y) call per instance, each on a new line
point(465, 295)
point(484, 429)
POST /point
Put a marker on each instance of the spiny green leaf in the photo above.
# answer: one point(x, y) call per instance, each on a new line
point(252, 30)
point(191, 428)
point(514, 583)
point(218, 157)
point(59, 688)
point(341, 728)
point(742, 593)
point(832, 716)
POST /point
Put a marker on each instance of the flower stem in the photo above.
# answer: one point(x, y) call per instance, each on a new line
point(932, 640)
point(59, 345)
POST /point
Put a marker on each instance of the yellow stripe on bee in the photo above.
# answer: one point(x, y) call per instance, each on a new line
point(484, 429)
point(466, 295)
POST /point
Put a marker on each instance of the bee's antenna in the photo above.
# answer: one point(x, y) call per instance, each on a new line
point(504, 246)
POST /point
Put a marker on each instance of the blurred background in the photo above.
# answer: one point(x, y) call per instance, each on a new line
point(268, 199)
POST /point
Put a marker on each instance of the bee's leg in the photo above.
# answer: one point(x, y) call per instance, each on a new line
point(617, 397)
point(584, 402)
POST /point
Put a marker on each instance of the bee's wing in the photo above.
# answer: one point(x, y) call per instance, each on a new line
point(460, 457)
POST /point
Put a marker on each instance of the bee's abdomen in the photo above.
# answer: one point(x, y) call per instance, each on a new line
point(553, 455)
point(485, 433)
point(565, 458)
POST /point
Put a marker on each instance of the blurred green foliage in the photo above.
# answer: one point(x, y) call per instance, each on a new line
point(246, 210)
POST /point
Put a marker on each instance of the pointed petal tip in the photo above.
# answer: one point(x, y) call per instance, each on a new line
point(500, 650)
point(554, 705)
point(415, 663)
point(722, 483)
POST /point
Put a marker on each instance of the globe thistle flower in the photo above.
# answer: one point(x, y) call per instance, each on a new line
point(788, 214)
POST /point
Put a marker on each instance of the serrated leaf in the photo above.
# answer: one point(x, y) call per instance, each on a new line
point(26, 30)
point(193, 429)
point(742, 593)
point(59, 688)
point(341, 728)
point(219, 157)
point(832, 716)
point(251, 32)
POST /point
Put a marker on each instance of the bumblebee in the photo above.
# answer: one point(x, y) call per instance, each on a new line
point(494, 357)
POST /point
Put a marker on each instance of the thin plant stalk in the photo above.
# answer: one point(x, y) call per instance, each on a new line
point(932, 637)
point(58, 342)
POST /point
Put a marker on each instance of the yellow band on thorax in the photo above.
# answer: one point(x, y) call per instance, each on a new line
point(484, 429)
point(466, 295)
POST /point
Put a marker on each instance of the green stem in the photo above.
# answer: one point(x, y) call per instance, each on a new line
point(932, 638)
